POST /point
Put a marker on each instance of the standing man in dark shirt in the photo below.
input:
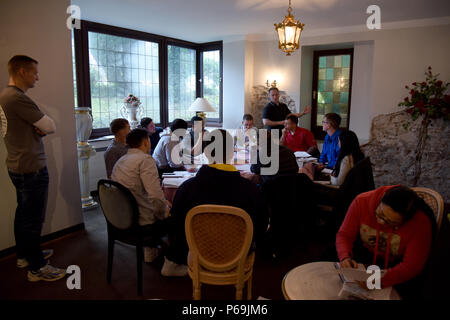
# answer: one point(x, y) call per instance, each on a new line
point(23, 125)
point(275, 112)
point(153, 132)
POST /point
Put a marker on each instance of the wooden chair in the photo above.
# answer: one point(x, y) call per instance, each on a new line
point(219, 239)
point(434, 200)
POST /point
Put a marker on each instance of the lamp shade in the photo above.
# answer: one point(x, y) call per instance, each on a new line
point(202, 105)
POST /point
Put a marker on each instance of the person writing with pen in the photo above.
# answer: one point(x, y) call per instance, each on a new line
point(391, 227)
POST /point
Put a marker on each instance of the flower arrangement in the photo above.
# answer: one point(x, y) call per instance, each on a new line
point(428, 98)
point(132, 99)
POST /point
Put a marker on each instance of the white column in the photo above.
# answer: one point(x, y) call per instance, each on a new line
point(85, 151)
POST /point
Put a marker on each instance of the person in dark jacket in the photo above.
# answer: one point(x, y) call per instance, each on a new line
point(287, 162)
point(153, 132)
point(217, 183)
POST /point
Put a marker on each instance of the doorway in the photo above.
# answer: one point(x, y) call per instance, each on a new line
point(331, 88)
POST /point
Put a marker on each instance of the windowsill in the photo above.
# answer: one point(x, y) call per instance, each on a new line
point(103, 138)
point(214, 124)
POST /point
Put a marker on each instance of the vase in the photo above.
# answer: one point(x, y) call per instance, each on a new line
point(83, 120)
point(132, 111)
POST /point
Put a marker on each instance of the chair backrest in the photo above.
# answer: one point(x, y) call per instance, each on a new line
point(434, 201)
point(219, 237)
point(358, 180)
point(291, 200)
point(118, 204)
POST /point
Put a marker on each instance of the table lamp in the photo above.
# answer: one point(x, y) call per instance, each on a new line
point(200, 106)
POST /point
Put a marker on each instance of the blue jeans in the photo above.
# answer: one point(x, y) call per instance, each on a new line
point(32, 194)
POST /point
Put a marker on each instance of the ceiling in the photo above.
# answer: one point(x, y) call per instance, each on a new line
point(210, 20)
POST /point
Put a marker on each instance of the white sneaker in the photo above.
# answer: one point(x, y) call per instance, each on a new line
point(150, 254)
point(46, 273)
point(171, 269)
point(22, 262)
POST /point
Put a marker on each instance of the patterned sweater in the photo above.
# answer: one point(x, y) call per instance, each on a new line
point(408, 245)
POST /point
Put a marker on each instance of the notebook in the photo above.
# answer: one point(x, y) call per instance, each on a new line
point(351, 290)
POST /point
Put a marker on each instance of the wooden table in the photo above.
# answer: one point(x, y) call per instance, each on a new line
point(315, 281)
point(170, 190)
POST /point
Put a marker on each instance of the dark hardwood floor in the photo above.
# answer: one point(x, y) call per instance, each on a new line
point(88, 250)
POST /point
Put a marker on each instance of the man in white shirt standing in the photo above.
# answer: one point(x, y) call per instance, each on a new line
point(137, 171)
point(23, 125)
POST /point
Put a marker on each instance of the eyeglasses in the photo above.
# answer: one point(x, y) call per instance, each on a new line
point(324, 121)
point(380, 215)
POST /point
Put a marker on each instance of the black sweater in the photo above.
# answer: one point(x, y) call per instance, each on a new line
point(213, 186)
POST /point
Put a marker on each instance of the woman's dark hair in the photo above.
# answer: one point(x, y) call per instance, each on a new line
point(349, 146)
point(406, 202)
point(178, 124)
point(135, 137)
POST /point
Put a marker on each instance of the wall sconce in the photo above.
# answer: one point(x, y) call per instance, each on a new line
point(271, 85)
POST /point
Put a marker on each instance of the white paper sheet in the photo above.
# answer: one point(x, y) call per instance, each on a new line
point(174, 182)
point(302, 154)
point(350, 289)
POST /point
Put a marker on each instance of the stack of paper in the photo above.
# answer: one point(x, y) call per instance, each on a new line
point(243, 167)
point(352, 290)
point(302, 154)
point(174, 182)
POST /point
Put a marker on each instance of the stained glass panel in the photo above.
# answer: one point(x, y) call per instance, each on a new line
point(333, 87)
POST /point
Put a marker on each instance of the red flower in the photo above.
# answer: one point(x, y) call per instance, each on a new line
point(410, 110)
point(421, 105)
point(412, 92)
point(406, 99)
point(406, 87)
point(434, 101)
point(429, 67)
point(438, 83)
point(414, 83)
point(423, 84)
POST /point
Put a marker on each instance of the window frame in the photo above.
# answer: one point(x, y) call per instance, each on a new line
point(319, 134)
point(211, 46)
point(182, 44)
point(81, 37)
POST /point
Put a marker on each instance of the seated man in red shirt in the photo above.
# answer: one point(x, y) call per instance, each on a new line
point(391, 227)
point(296, 138)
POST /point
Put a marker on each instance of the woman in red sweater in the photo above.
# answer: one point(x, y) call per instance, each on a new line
point(396, 229)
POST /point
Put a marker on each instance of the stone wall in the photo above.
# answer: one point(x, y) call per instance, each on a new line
point(260, 98)
point(391, 149)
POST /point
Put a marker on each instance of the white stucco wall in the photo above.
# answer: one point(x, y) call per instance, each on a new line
point(31, 28)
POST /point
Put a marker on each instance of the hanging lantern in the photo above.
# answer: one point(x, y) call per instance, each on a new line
point(289, 33)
